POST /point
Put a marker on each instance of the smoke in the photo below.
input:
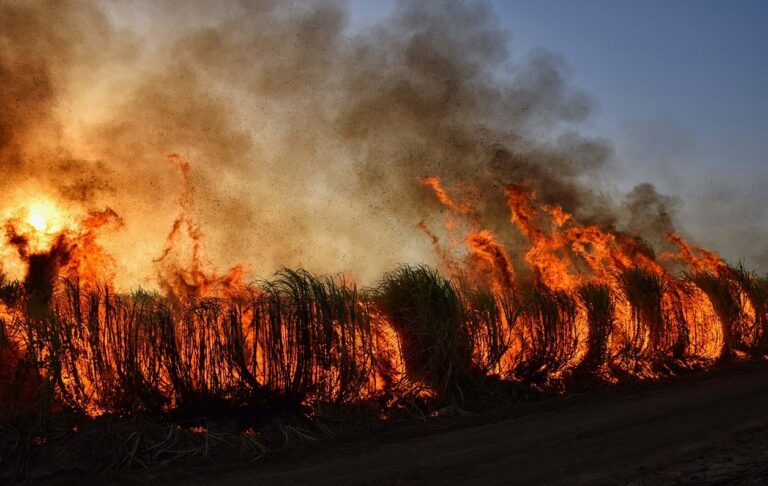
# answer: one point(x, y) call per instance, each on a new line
point(731, 217)
point(307, 140)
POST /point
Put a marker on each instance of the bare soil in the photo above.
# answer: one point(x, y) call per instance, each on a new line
point(705, 430)
point(700, 429)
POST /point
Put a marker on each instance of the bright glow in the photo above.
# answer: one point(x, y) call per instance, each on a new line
point(44, 216)
point(42, 220)
point(37, 220)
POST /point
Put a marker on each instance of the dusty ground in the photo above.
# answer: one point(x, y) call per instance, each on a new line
point(700, 429)
point(706, 431)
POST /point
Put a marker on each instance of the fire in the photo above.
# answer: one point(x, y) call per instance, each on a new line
point(573, 299)
point(38, 219)
point(41, 219)
point(654, 315)
point(304, 161)
point(45, 216)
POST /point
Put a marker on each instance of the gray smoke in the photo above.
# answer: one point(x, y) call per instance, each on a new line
point(307, 139)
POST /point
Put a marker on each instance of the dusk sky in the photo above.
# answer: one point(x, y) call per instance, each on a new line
point(680, 89)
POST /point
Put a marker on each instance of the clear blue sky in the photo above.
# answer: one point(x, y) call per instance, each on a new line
point(681, 89)
point(701, 66)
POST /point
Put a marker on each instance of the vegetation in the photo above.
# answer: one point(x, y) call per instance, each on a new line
point(644, 292)
point(547, 333)
point(429, 316)
point(600, 313)
point(755, 290)
point(298, 343)
point(720, 292)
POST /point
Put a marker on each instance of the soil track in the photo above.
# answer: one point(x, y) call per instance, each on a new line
point(619, 438)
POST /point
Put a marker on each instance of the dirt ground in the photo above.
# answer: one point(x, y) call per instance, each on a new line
point(702, 428)
point(710, 430)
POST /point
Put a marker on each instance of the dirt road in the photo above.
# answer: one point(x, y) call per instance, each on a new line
point(619, 439)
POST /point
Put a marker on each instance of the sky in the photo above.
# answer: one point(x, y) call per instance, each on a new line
point(680, 89)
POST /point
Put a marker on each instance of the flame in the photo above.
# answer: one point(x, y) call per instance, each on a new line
point(545, 318)
point(38, 219)
point(45, 216)
point(656, 316)
point(435, 184)
point(41, 221)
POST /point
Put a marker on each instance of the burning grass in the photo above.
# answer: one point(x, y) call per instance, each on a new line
point(296, 342)
point(586, 306)
point(304, 338)
point(600, 313)
point(428, 313)
point(539, 285)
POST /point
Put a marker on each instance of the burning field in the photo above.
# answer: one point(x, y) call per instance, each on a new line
point(151, 175)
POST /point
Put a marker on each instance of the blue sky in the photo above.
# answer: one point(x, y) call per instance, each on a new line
point(697, 67)
point(680, 87)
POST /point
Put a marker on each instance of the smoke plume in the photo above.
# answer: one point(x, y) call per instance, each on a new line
point(307, 140)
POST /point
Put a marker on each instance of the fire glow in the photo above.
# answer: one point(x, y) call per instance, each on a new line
point(310, 147)
point(581, 301)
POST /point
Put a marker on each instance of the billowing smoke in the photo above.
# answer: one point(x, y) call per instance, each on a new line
point(307, 140)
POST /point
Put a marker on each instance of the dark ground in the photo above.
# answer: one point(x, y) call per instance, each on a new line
point(698, 429)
